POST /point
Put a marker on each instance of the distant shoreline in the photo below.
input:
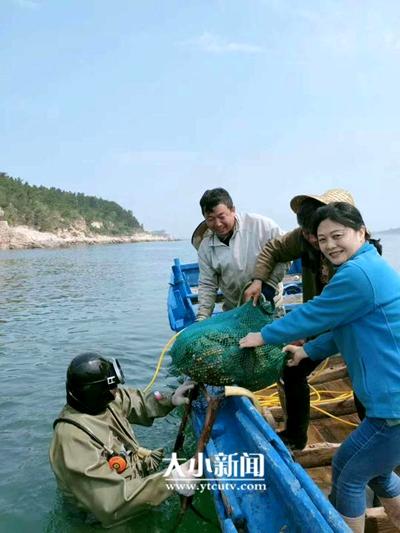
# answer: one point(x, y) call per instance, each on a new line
point(26, 238)
point(388, 231)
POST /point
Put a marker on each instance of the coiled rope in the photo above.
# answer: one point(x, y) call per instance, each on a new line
point(316, 399)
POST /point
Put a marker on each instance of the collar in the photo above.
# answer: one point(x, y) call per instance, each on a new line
point(365, 248)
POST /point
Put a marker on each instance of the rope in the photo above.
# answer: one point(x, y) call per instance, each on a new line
point(317, 400)
point(272, 400)
point(160, 360)
point(148, 387)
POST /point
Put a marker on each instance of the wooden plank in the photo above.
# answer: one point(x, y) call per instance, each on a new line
point(315, 436)
point(325, 435)
point(321, 477)
point(332, 430)
point(377, 521)
point(337, 408)
point(316, 454)
point(268, 417)
point(329, 374)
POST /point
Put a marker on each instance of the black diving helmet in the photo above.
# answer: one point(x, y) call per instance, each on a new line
point(90, 380)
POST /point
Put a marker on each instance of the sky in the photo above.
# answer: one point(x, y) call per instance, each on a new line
point(150, 103)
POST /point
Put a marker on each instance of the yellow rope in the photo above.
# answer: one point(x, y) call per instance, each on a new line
point(272, 400)
point(316, 397)
point(335, 417)
point(160, 360)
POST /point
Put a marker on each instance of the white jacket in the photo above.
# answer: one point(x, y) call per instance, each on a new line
point(230, 268)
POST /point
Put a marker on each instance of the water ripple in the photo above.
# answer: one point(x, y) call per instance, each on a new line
point(54, 305)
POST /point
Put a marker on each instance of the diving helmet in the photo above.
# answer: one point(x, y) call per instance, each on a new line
point(90, 379)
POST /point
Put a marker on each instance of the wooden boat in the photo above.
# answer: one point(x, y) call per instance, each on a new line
point(297, 484)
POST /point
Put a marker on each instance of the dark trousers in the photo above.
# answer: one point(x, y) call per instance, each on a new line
point(297, 393)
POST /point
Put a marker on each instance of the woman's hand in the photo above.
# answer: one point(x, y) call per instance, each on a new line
point(251, 340)
point(297, 354)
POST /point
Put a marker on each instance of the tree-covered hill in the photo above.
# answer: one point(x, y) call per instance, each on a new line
point(53, 209)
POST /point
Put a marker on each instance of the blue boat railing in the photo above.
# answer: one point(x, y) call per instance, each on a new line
point(291, 502)
point(182, 296)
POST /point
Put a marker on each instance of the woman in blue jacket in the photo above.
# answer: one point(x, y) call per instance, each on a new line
point(358, 315)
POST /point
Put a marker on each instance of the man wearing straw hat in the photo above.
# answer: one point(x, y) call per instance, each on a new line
point(316, 272)
point(228, 244)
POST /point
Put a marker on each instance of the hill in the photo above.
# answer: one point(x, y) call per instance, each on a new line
point(41, 217)
point(50, 210)
point(389, 231)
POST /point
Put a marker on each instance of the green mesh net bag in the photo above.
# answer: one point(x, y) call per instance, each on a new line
point(208, 351)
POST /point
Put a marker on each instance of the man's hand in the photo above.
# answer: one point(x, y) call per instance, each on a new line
point(297, 354)
point(253, 292)
point(251, 340)
point(199, 318)
point(180, 395)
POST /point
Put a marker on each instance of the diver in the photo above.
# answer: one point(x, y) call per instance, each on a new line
point(94, 454)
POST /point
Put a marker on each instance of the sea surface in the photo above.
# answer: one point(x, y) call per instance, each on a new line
point(55, 304)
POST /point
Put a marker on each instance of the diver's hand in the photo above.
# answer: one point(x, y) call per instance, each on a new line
point(297, 354)
point(251, 340)
point(253, 292)
point(180, 395)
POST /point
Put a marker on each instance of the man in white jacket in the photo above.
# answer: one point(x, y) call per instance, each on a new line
point(230, 244)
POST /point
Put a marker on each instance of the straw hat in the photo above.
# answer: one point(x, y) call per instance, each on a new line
point(199, 234)
point(333, 195)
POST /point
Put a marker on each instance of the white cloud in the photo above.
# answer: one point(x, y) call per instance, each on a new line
point(217, 45)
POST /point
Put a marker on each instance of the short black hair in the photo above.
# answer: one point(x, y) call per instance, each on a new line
point(306, 213)
point(213, 197)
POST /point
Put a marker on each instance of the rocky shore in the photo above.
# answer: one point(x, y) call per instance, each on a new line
point(20, 237)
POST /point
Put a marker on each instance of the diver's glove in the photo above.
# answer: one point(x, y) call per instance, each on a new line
point(184, 480)
point(180, 395)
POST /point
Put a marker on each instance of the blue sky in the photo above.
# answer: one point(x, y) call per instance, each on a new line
point(149, 103)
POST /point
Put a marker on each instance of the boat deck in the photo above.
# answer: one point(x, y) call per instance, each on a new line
point(326, 433)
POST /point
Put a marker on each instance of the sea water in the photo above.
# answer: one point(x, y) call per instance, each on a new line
point(55, 304)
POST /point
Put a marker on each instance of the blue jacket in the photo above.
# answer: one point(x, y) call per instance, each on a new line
point(358, 313)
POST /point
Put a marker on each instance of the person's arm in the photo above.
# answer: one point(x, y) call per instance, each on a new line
point(208, 286)
point(348, 296)
point(110, 496)
point(279, 250)
point(273, 232)
point(277, 275)
point(272, 263)
point(322, 347)
point(142, 408)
